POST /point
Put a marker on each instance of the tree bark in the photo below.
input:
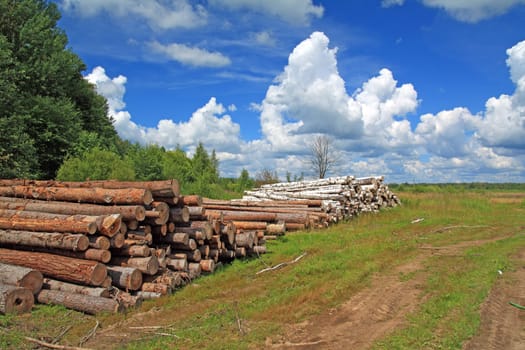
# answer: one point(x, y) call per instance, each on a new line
point(99, 242)
point(159, 188)
point(36, 221)
point(66, 241)
point(149, 265)
point(89, 195)
point(75, 288)
point(79, 302)
point(128, 212)
point(15, 300)
point(20, 276)
point(127, 278)
point(56, 266)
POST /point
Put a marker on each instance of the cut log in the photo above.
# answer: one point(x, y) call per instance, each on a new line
point(228, 233)
point(158, 188)
point(190, 246)
point(133, 250)
point(46, 222)
point(191, 200)
point(276, 229)
point(66, 241)
point(148, 295)
point(75, 288)
point(176, 238)
point(128, 212)
point(109, 225)
point(204, 226)
point(89, 195)
point(178, 264)
point(156, 288)
point(250, 225)
point(240, 252)
point(15, 300)
point(179, 215)
point(245, 239)
point(56, 266)
point(93, 254)
point(207, 265)
point(149, 265)
point(159, 213)
point(127, 278)
point(20, 276)
point(117, 241)
point(99, 242)
point(194, 270)
point(79, 302)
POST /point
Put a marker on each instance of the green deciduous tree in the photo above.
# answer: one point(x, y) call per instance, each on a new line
point(43, 97)
point(96, 164)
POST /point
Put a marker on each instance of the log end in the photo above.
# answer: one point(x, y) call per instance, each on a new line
point(15, 300)
point(33, 281)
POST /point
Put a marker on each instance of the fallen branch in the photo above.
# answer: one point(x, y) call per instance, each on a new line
point(53, 346)
point(89, 335)
point(278, 266)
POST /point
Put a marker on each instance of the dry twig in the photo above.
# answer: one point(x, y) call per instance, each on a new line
point(278, 266)
point(53, 346)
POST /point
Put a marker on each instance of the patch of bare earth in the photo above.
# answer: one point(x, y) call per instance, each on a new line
point(378, 310)
point(366, 317)
point(503, 325)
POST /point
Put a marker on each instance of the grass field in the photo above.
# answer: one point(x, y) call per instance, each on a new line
point(237, 308)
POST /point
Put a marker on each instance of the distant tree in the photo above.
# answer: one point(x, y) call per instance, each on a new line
point(146, 161)
point(266, 176)
point(323, 157)
point(177, 165)
point(45, 103)
point(244, 182)
point(96, 164)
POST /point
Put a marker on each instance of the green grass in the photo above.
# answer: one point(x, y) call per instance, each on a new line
point(235, 308)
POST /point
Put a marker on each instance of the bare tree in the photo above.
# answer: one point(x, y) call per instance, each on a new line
point(323, 157)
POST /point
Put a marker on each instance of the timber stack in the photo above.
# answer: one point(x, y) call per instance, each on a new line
point(304, 204)
point(104, 246)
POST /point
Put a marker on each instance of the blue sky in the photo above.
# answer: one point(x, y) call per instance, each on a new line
point(416, 90)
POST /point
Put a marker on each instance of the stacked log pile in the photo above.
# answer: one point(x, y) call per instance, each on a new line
point(98, 246)
point(304, 204)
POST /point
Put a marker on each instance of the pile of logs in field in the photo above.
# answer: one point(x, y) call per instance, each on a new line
point(98, 246)
point(304, 204)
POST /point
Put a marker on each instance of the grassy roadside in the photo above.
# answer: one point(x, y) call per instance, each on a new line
point(236, 308)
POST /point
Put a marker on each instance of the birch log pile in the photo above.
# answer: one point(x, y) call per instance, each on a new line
point(106, 245)
point(274, 208)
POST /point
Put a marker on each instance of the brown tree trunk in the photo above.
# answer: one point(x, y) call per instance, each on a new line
point(79, 302)
point(15, 300)
point(56, 266)
point(160, 188)
point(46, 222)
point(89, 195)
point(75, 288)
point(56, 240)
point(128, 212)
point(20, 276)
